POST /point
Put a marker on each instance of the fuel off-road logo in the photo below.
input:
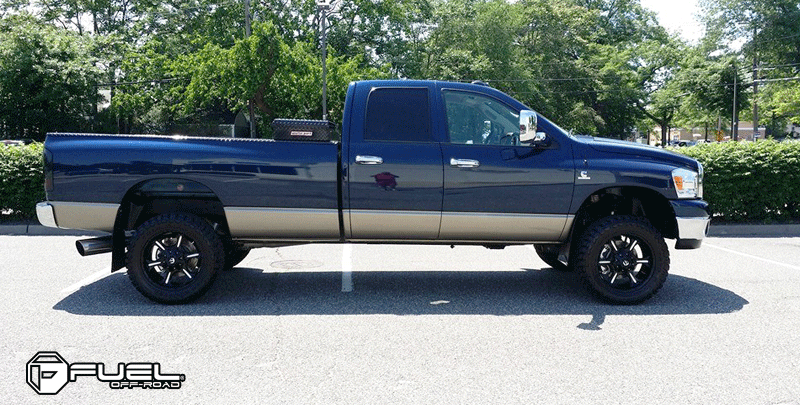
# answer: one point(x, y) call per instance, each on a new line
point(47, 373)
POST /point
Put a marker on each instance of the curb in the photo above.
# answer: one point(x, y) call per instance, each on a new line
point(773, 231)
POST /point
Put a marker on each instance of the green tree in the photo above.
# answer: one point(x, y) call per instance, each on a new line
point(47, 79)
point(708, 83)
point(770, 30)
point(281, 80)
point(786, 101)
point(660, 74)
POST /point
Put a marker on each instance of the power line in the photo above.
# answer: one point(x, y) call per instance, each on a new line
point(151, 81)
point(783, 79)
point(566, 79)
point(773, 39)
point(778, 66)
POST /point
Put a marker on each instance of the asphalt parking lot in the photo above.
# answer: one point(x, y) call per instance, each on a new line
point(369, 324)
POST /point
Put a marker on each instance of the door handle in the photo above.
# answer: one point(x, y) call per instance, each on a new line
point(369, 160)
point(464, 162)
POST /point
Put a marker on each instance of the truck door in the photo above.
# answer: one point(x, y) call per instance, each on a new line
point(494, 188)
point(394, 167)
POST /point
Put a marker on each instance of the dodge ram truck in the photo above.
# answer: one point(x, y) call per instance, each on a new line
point(416, 162)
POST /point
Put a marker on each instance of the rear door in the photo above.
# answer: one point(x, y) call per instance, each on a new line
point(394, 166)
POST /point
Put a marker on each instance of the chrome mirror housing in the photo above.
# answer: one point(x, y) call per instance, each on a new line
point(527, 129)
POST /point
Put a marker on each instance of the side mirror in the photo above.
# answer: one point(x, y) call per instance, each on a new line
point(527, 129)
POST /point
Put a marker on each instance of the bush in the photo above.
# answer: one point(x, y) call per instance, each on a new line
point(21, 179)
point(751, 182)
point(744, 182)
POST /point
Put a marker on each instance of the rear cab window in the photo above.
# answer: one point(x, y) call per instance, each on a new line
point(398, 115)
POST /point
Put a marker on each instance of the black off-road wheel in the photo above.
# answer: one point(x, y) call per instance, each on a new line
point(549, 255)
point(174, 258)
point(623, 259)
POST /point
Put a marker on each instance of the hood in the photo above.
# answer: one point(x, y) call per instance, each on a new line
point(636, 149)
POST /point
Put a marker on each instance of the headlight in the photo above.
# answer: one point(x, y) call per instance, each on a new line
point(688, 183)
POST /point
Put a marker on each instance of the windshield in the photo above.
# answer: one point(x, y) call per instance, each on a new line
point(549, 127)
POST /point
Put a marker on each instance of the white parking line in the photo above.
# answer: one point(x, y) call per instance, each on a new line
point(347, 267)
point(98, 275)
point(751, 256)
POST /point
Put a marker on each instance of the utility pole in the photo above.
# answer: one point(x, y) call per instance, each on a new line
point(755, 92)
point(324, 6)
point(247, 32)
point(734, 118)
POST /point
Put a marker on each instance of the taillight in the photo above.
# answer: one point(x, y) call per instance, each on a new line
point(48, 171)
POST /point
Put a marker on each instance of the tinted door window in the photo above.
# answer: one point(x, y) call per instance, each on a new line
point(398, 115)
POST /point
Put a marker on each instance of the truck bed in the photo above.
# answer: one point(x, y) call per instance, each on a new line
point(241, 172)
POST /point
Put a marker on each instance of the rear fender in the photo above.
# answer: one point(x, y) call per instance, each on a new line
point(160, 196)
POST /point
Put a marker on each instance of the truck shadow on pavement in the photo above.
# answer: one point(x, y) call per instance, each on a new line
point(250, 291)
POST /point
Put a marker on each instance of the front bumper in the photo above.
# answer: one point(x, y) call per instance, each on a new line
point(692, 218)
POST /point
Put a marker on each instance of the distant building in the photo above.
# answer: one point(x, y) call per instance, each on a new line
point(696, 134)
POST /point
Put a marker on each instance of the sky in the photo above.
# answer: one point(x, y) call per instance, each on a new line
point(677, 16)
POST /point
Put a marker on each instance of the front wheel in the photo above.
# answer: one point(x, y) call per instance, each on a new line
point(174, 258)
point(623, 259)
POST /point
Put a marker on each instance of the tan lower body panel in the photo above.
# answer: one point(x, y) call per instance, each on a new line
point(484, 226)
point(475, 227)
point(403, 225)
point(283, 223)
point(85, 216)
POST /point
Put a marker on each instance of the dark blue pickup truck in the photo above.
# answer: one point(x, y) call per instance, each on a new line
point(418, 162)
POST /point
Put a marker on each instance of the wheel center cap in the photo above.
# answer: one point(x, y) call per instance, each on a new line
point(624, 259)
point(172, 257)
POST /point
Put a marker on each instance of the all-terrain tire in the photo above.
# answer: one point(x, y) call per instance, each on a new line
point(623, 259)
point(174, 258)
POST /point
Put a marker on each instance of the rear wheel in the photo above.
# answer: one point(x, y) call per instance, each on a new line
point(623, 259)
point(174, 258)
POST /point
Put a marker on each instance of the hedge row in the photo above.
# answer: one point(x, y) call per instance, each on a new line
point(751, 182)
point(21, 179)
point(744, 182)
